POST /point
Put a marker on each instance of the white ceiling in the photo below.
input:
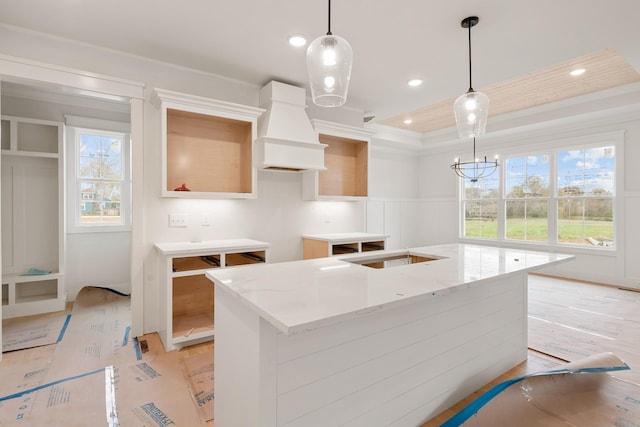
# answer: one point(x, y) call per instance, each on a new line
point(393, 41)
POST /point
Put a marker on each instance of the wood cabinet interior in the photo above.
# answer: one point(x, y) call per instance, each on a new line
point(344, 248)
point(372, 246)
point(346, 161)
point(202, 262)
point(208, 153)
point(192, 308)
point(244, 258)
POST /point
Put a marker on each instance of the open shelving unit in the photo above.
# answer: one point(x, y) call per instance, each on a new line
point(346, 159)
point(187, 297)
point(332, 244)
point(32, 216)
point(207, 146)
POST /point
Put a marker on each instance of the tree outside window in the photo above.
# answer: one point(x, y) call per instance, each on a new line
point(526, 197)
point(586, 188)
point(100, 177)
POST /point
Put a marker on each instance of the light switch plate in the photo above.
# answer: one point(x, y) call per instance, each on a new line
point(178, 220)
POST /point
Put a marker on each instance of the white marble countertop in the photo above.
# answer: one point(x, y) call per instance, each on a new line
point(222, 245)
point(346, 237)
point(302, 295)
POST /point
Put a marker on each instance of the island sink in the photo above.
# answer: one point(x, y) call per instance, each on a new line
point(391, 260)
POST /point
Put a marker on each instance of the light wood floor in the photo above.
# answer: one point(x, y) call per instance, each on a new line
point(536, 361)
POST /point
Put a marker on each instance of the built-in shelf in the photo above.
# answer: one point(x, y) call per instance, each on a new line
point(32, 216)
point(346, 159)
point(332, 244)
point(187, 296)
point(207, 146)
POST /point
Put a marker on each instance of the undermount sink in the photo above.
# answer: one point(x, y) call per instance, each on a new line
point(392, 260)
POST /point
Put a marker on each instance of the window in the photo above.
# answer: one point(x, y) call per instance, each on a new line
point(526, 197)
point(586, 190)
point(481, 207)
point(560, 196)
point(99, 195)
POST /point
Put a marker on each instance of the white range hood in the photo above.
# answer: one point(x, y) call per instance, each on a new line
point(286, 139)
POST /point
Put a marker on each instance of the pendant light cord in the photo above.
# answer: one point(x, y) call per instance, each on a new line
point(470, 86)
point(329, 20)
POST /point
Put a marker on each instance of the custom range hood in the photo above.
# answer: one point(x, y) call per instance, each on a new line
point(286, 139)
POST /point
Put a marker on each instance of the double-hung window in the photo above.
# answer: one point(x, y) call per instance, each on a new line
point(561, 196)
point(99, 188)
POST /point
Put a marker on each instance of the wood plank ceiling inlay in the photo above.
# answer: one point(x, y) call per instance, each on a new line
point(605, 69)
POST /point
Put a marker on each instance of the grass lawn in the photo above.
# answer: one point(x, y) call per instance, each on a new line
point(569, 231)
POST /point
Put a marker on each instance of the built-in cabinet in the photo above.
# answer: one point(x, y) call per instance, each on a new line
point(186, 295)
point(207, 146)
point(346, 159)
point(33, 233)
point(326, 245)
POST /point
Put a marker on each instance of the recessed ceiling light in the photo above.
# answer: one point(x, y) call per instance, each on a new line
point(297, 40)
point(577, 71)
point(408, 121)
point(414, 82)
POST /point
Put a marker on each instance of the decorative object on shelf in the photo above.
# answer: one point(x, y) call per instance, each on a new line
point(183, 187)
point(472, 108)
point(329, 60)
point(475, 169)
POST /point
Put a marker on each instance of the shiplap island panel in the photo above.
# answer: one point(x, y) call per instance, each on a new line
point(332, 341)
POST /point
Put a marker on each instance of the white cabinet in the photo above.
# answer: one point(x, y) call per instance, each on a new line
point(186, 295)
point(326, 245)
point(32, 217)
point(346, 159)
point(207, 146)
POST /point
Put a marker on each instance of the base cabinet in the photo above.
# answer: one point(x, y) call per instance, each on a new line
point(187, 297)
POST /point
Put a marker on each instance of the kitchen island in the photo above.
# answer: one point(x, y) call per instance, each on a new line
point(386, 338)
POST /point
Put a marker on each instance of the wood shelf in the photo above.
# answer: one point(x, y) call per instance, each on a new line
point(207, 145)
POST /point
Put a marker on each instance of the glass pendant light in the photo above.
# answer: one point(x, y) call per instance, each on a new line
point(472, 108)
point(329, 60)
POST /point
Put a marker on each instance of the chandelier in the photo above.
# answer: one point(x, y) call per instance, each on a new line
point(476, 169)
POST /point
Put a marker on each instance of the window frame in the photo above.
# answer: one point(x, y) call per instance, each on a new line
point(75, 125)
point(553, 148)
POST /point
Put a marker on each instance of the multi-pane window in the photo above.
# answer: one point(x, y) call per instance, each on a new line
point(481, 207)
point(99, 194)
point(564, 197)
point(526, 197)
point(586, 191)
point(100, 176)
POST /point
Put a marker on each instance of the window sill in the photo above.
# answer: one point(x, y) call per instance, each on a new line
point(98, 229)
point(546, 247)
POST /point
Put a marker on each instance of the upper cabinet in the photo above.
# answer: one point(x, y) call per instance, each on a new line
point(346, 159)
point(207, 146)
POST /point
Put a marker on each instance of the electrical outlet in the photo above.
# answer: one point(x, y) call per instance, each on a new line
point(178, 220)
